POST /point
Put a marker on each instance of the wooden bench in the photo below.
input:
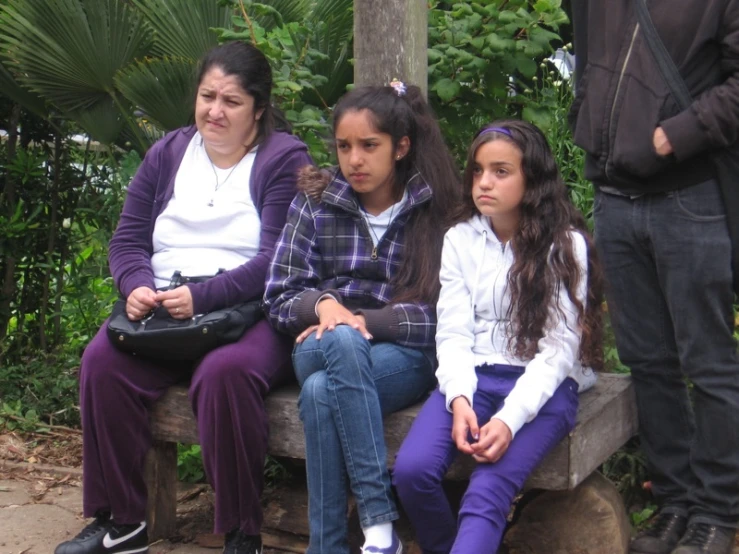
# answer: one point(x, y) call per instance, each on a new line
point(606, 420)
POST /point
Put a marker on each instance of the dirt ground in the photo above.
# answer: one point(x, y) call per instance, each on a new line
point(41, 500)
point(38, 510)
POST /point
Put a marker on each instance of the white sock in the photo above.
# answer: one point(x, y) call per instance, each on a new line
point(380, 535)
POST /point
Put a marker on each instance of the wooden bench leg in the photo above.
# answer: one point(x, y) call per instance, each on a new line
point(591, 518)
point(161, 481)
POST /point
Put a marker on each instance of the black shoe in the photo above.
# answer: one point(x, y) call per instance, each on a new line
point(103, 536)
point(704, 538)
point(238, 542)
point(661, 536)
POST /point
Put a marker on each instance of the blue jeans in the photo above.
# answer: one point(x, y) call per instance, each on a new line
point(348, 384)
point(668, 265)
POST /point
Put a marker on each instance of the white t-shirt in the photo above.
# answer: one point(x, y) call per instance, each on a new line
point(210, 223)
point(378, 224)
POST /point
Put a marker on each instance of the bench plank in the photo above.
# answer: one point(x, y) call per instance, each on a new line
point(606, 419)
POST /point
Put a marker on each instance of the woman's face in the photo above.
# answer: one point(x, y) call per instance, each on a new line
point(366, 156)
point(224, 111)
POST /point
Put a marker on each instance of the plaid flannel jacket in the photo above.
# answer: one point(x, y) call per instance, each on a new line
point(326, 247)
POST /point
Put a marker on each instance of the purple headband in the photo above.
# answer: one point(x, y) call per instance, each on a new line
point(502, 130)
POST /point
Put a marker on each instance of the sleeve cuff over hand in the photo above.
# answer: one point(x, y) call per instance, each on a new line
point(685, 136)
point(305, 306)
point(455, 390)
point(513, 417)
point(382, 324)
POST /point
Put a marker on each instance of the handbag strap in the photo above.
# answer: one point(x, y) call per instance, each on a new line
point(666, 64)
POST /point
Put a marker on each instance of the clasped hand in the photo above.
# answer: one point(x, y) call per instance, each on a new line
point(331, 314)
point(142, 300)
point(489, 442)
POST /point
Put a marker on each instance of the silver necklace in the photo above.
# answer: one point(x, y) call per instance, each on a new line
point(215, 174)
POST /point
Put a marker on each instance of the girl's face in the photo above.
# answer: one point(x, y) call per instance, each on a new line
point(498, 183)
point(224, 111)
point(366, 156)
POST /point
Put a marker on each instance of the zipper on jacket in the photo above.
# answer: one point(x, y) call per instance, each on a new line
point(615, 98)
point(373, 255)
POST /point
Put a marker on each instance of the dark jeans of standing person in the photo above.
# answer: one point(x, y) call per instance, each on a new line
point(668, 266)
point(227, 391)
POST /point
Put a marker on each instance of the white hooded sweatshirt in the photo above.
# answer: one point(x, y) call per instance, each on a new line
point(472, 322)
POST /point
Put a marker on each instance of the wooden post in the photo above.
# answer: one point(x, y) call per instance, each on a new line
point(161, 482)
point(391, 40)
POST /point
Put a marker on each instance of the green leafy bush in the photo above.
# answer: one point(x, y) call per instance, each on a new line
point(190, 463)
point(477, 50)
point(290, 48)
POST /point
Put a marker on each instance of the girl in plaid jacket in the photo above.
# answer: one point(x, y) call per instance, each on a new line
point(355, 278)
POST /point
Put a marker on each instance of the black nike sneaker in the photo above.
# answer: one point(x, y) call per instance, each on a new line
point(103, 536)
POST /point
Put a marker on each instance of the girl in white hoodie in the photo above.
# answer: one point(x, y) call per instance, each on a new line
point(518, 320)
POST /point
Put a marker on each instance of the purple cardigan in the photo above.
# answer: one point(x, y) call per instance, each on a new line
point(273, 186)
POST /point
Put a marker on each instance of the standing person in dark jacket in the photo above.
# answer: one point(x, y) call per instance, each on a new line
point(355, 276)
point(660, 227)
point(206, 197)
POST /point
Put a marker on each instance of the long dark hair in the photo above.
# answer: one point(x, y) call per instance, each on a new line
point(544, 257)
point(406, 114)
point(247, 63)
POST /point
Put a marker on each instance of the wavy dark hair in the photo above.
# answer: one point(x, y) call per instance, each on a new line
point(409, 115)
point(544, 257)
point(247, 63)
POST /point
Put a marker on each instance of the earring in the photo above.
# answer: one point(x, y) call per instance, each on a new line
point(397, 157)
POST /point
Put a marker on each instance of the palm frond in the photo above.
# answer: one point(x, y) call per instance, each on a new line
point(68, 51)
point(103, 120)
point(183, 28)
point(334, 37)
point(9, 87)
point(289, 10)
point(163, 88)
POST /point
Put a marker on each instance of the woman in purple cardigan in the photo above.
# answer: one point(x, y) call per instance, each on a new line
point(208, 197)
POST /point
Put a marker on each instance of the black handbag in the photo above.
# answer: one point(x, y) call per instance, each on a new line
point(726, 161)
point(161, 337)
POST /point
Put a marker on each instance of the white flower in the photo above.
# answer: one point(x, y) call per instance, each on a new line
point(66, 223)
point(557, 83)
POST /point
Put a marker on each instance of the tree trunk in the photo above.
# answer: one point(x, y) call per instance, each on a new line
point(391, 41)
point(51, 244)
point(23, 307)
point(7, 286)
point(57, 320)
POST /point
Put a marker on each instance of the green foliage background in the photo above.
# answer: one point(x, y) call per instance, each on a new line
point(78, 115)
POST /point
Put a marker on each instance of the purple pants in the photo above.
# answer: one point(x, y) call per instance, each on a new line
point(428, 451)
point(227, 393)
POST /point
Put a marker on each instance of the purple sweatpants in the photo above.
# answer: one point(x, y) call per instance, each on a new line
point(428, 451)
point(227, 393)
